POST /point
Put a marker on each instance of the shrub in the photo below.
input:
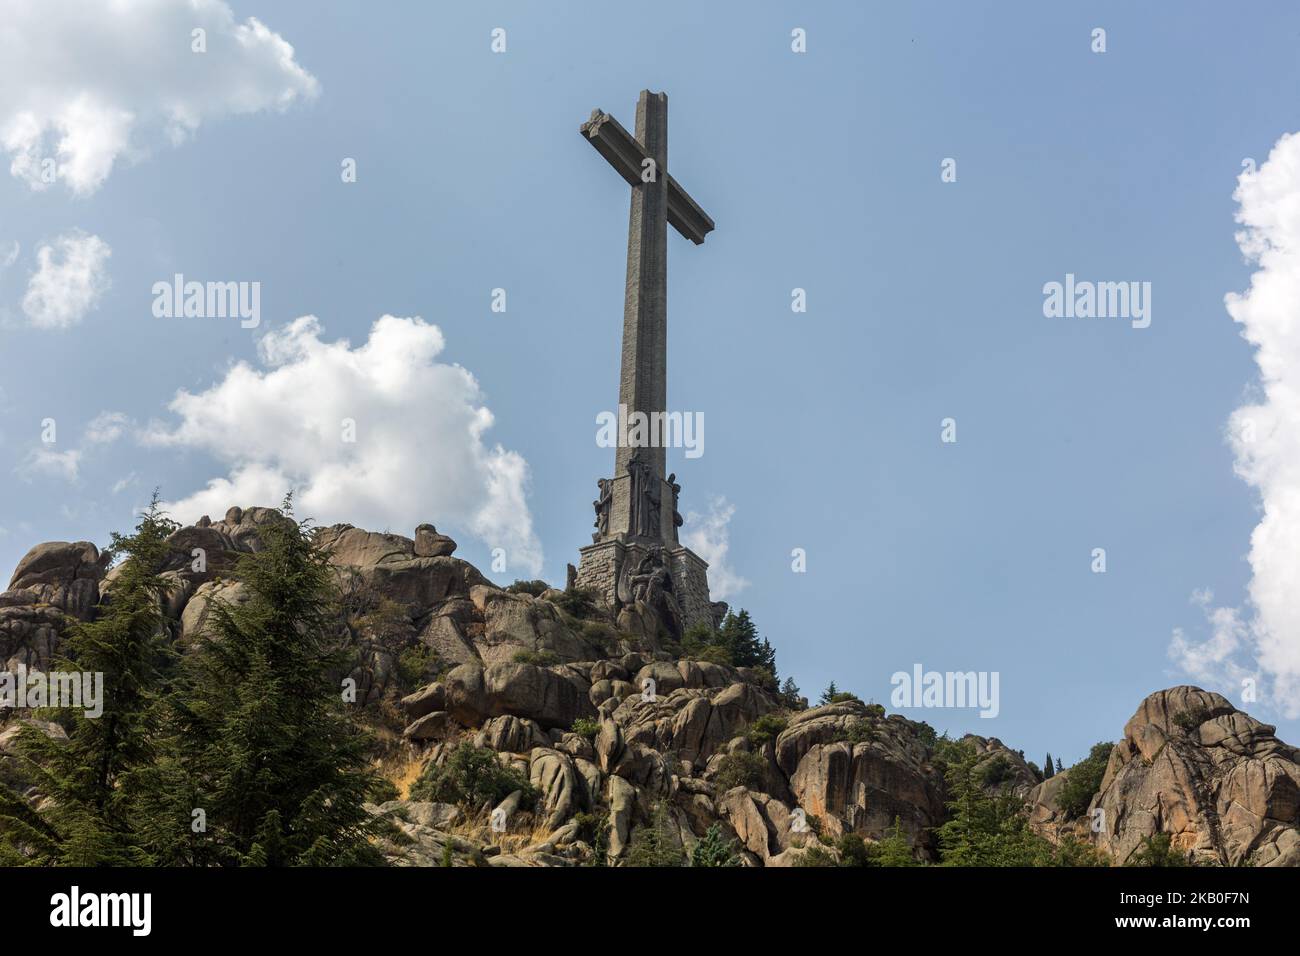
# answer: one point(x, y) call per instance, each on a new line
point(702, 643)
point(1084, 781)
point(996, 771)
point(1189, 720)
point(926, 734)
point(537, 658)
point(600, 636)
point(535, 588)
point(416, 665)
point(579, 602)
point(860, 731)
point(471, 776)
point(766, 728)
point(586, 727)
point(1157, 851)
point(741, 768)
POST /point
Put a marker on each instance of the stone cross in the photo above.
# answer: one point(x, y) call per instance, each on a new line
point(639, 502)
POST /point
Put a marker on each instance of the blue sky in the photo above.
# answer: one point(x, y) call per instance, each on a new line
point(822, 172)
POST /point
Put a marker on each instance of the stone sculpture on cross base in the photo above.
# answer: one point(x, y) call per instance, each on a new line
point(635, 554)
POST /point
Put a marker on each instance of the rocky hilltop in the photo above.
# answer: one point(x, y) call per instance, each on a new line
point(608, 729)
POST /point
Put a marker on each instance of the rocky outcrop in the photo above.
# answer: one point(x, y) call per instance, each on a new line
point(54, 582)
point(605, 729)
point(1217, 780)
point(859, 772)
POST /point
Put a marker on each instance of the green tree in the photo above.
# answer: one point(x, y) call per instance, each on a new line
point(829, 694)
point(739, 636)
point(893, 849)
point(655, 843)
point(1084, 781)
point(92, 801)
point(790, 695)
point(1047, 766)
point(262, 742)
point(471, 776)
point(715, 850)
point(985, 829)
point(1157, 850)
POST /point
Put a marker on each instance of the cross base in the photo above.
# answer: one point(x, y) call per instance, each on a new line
point(602, 565)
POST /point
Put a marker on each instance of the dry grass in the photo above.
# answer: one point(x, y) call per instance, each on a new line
point(401, 766)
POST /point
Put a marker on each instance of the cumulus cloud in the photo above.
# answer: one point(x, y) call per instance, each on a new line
point(45, 461)
point(83, 85)
point(1265, 437)
point(381, 435)
point(709, 536)
point(70, 278)
point(106, 427)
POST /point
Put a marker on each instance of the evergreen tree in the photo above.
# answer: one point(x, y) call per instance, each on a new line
point(740, 636)
point(984, 830)
point(1047, 766)
point(655, 844)
point(830, 693)
point(1059, 768)
point(714, 850)
point(262, 744)
point(790, 695)
point(893, 849)
point(85, 783)
point(91, 805)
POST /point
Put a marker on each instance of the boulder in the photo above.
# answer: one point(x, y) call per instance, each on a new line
point(1216, 780)
point(430, 544)
point(64, 575)
point(521, 690)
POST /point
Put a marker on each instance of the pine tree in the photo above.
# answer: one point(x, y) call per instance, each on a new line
point(655, 844)
point(984, 830)
point(740, 636)
point(790, 695)
point(893, 849)
point(830, 693)
point(262, 743)
point(714, 850)
point(1047, 766)
point(1059, 768)
point(92, 805)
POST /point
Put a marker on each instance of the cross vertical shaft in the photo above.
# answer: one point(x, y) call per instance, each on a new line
point(643, 374)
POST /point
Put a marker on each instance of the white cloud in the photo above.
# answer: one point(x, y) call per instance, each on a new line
point(1265, 436)
point(87, 84)
point(70, 279)
point(708, 536)
point(126, 482)
point(106, 427)
point(419, 453)
point(11, 256)
point(54, 464)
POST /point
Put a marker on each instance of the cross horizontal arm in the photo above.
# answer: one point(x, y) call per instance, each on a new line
point(625, 154)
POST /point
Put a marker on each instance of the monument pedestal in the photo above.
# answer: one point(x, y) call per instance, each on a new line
point(603, 564)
